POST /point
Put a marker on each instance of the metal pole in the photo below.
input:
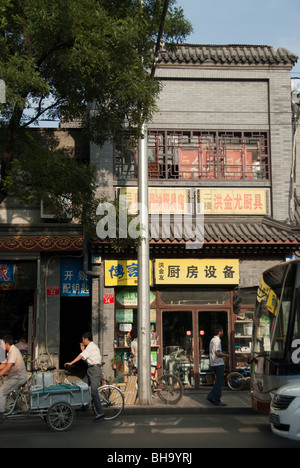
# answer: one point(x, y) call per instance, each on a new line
point(144, 350)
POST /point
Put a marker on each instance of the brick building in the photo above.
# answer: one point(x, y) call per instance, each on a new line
point(220, 142)
point(220, 145)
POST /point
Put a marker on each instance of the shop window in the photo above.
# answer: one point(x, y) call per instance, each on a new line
point(18, 274)
point(16, 309)
point(243, 327)
point(183, 296)
point(243, 336)
point(207, 322)
point(209, 155)
point(178, 346)
point(125, 322)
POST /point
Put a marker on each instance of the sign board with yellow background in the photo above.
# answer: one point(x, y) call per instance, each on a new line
point(161, 200)
point(123, 272)
point(234, 201)
point(197, 271)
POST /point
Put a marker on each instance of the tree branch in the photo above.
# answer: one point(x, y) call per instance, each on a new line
point(42, 111)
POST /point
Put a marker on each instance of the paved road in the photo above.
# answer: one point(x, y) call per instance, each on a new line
point(154, 432)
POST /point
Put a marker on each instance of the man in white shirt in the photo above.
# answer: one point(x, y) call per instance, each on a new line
point(16, 372)
point(90, 353)
point(218, 367)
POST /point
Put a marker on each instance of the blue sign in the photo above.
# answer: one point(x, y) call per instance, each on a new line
point(73, 280)
point(7, 272)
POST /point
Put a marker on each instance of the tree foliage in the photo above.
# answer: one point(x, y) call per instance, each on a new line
point(76, 53)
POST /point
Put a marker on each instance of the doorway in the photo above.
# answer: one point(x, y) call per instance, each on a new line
point(75, 320)
point(178, 349)
point(207, 322)
point(16, 317)
point(186, 335)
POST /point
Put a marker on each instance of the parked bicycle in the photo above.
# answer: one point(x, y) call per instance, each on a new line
point(168, 387)
point(240, 379)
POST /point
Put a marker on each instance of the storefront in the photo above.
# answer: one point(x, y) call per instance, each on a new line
point(188, 298)
point(19, 301)
point(43, 293)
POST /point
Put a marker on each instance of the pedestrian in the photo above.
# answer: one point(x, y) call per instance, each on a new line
point(16, 372)
point(217, 365)
point(91, 354)
point(134, 348)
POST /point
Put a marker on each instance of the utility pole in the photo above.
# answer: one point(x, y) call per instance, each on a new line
point(144, 349)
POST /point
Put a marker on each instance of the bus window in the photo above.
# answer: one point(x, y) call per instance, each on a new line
point(265, 315)
point(280, 333)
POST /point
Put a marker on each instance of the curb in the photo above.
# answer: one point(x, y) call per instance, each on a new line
point(172, 410)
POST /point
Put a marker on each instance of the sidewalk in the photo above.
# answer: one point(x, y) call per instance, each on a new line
point(194, 402)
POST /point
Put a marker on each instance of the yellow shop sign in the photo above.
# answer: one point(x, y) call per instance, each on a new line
point(197, 271)
point(122, 272)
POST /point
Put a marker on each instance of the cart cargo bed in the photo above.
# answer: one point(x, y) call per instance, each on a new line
point(76, 395)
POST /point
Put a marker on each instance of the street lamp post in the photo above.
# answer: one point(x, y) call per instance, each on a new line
point(144, 349)
point(144, 354)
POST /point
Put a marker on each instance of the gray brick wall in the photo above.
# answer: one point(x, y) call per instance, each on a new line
point(234, 99)
point(102, 158)
point(251, 271)
point(206, 104)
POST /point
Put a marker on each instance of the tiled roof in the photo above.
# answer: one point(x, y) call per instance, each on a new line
point(227, 55)
point(257, 230)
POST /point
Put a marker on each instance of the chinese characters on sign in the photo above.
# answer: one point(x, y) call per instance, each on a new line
point(195, 271)
point(235, 201)
point(122, 272)
point(53, 291)
point(7, 271)
point(162, 200)
point(108, 299)
point(74, 281)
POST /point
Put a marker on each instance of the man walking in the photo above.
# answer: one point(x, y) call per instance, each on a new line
point(217, 365)
point(91, 354)
point(16, 372)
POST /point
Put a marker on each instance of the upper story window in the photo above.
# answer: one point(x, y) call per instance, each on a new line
point(208, 155)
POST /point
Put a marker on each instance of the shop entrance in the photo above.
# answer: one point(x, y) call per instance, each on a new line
point(75, 319)
point(207, 322)
point(16, 316)
point(186, 336)
point(178, 349)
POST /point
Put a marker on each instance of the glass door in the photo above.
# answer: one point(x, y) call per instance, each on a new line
point(178, 345)
point(207, 321)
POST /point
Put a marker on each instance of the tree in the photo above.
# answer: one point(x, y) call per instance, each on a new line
point(75, 52)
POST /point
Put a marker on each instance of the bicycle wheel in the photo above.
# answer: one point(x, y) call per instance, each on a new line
point(235, 381)
point(112, 401)
point(169, 389)
point(60, 417)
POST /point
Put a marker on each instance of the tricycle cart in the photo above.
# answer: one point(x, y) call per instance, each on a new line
point(56, 404)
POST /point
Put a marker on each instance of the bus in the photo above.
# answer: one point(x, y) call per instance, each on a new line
point(275, 355)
